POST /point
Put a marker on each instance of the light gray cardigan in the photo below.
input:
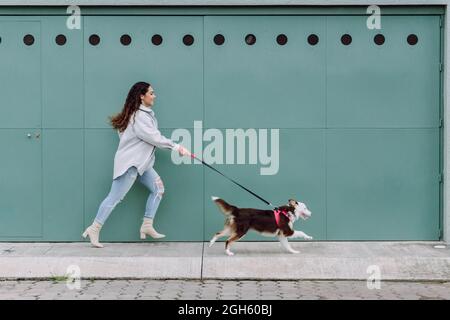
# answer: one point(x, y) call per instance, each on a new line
point(139, 141)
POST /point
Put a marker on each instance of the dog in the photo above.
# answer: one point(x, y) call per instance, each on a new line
point(277, 223)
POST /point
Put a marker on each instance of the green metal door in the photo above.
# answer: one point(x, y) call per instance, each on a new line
point(20, 123)
point(383, 137)
point(357, 118)
point(268, 86)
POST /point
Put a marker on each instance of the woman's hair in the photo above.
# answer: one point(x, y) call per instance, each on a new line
point(132, 103)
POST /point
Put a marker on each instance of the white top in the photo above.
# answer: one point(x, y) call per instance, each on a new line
point(139, 141)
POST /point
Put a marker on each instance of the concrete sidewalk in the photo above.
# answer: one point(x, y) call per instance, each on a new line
point(253, 260)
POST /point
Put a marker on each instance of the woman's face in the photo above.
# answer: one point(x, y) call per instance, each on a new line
point(149, 97)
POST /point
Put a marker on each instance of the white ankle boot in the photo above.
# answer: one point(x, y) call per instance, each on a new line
point(93, 231)
point(147, 229)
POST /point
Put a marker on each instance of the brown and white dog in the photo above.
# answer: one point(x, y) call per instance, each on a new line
point(266, 222)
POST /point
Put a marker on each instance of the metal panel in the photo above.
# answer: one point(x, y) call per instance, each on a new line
point(265, 85)
point(383, 86)
point(382, 184)
point(301, 176)
point(173, 69)
point(20, 69)
point(62, 75)
point(63, 184)
point(180, 214)
point(20, 184)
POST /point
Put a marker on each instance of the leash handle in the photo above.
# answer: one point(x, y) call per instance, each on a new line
point(249, 191)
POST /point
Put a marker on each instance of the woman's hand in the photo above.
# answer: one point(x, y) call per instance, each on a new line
point(183, 151)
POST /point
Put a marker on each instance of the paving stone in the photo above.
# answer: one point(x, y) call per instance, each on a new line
point(222, 290)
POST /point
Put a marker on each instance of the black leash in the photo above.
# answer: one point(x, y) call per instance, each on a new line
point(249, 191)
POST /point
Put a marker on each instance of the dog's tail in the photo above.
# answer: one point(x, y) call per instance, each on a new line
point(225, 207)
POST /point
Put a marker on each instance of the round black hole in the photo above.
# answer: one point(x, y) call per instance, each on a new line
point(379, 39)
point(60, 39)
point(125, 40)
point(250, 39)
point(0, 39)
point(219, 39)
point(346, 39)
point(188, 40)
point(28, 39)
point(94, 39)
point(282, 39)
point(412, 39)
point(313, 39)
point(157, 39)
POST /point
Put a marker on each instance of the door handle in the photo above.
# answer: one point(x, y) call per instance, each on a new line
point(36, 135)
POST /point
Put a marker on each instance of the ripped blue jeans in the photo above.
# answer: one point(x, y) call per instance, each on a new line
point(120, 187)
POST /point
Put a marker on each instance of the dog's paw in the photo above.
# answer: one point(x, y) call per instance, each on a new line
point(211, 243)
point(308, 238)
point(294, 251)
point(229, 253)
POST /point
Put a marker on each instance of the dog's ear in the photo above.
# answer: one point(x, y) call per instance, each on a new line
point(292, 202)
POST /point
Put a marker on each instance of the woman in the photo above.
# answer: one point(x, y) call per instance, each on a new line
point(139, 137)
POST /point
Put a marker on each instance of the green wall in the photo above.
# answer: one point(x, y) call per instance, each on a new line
point(359, 125)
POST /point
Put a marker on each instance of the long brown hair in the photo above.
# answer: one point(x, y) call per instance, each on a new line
point(132, 103)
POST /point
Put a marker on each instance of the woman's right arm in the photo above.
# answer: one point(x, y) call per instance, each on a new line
point(146, 131)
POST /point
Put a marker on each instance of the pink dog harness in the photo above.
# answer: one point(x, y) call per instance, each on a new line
point(277, 215)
